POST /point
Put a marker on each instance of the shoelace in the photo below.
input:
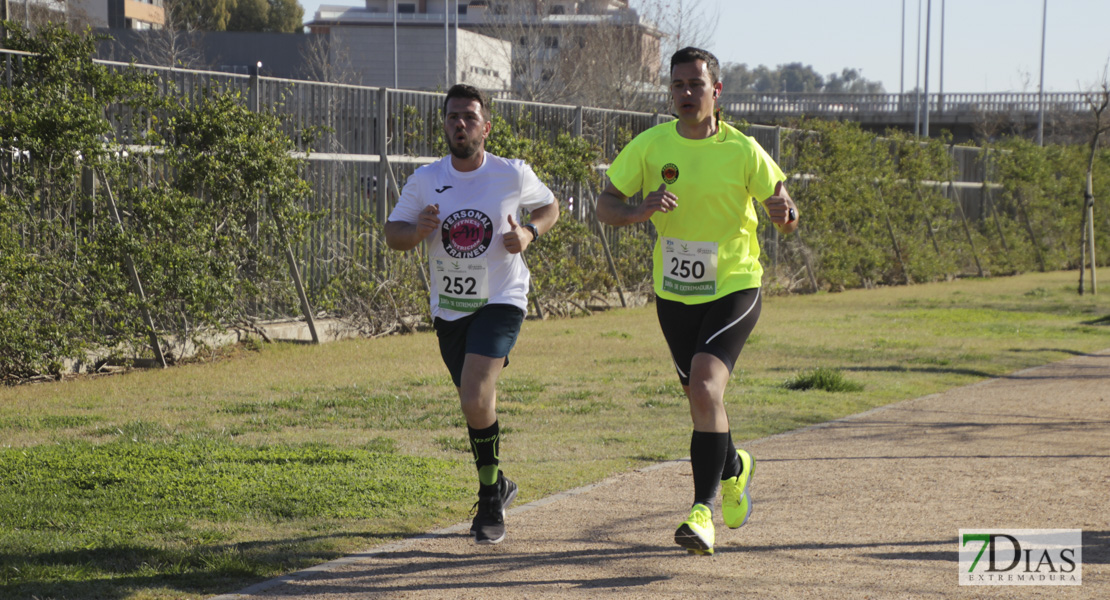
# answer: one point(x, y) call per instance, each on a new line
point(732, 493)
point(701, 518)
point(490, 510)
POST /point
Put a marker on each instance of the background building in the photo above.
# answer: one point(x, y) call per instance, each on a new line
point(123, 14)
point(597, 52)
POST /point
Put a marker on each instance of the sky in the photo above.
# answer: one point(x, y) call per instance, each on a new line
point(989, 45)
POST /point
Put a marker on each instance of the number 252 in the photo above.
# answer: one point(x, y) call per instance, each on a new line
point(460, 286)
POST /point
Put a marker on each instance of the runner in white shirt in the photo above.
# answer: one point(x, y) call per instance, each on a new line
point(467, 207)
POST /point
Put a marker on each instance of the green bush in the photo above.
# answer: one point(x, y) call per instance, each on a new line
point(199, 216)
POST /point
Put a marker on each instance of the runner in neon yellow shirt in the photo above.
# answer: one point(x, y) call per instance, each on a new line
point(699, 177)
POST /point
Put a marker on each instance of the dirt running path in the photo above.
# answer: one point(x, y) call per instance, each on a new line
point(863, 507)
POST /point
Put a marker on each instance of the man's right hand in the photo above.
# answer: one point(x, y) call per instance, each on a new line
point(402, 235)
point(613, 207)
point(658, 201)
point(428, 221)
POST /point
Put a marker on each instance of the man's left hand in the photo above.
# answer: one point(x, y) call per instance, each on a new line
point(781, 209)
point(516, 238)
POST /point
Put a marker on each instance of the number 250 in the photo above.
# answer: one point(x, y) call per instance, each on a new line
point(686, 268)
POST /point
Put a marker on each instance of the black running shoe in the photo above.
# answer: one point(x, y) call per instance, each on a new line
point(489, 521)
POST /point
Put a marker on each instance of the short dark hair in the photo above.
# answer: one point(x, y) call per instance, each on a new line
point(690, 54)
point(461, 90)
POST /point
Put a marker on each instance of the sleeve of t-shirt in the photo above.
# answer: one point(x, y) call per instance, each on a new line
point(764, 174)
point(533, 193)
point(411, 201)
point(626, 173)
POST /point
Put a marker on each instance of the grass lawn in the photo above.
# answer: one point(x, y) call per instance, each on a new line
point(205, 478)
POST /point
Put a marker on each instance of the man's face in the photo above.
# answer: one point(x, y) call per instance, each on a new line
point(465, 127)
point(692, 90)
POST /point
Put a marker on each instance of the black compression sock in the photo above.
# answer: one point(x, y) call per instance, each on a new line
point(486, 446)
point(707, 460)
point(733, 466)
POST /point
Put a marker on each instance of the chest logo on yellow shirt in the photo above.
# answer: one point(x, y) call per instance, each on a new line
point(670, 172)
point(467, 233)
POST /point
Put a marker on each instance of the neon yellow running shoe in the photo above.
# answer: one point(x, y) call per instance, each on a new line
point(696, 533)
point(736, 503)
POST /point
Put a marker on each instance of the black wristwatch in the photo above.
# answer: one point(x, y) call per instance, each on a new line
point(535, 232)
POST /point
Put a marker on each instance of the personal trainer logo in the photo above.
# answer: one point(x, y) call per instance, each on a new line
point(467, 233)
point(670, 172)
point(1021, 557)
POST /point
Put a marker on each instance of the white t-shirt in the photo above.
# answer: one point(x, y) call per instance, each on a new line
point(469, 264)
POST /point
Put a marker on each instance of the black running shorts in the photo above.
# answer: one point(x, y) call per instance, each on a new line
point(490, 331)
point(720, 327)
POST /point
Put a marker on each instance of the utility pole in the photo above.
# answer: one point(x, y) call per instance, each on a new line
point(928, 23)
point(1040, 101)
point(446, 46)
point(940, 89)
point(917, 78)
point(4, 17)
point(902, 62)
point(396, 85)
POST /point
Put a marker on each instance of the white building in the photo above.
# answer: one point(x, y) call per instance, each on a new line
point(536, 48)
point(410, 49)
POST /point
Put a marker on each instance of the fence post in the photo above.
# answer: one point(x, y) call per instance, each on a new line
point(1020, 197)
point(579, 210)
point(253, 95)
point(306, 308)
point(609, 256)
point(988, 200)
point(136, 283)
point(893, 237)
point(955, 197)
point(254, 99)
point(381, 142)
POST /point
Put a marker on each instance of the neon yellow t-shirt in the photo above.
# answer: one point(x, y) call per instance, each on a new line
point(707, 246)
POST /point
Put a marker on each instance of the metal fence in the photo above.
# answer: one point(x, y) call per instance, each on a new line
point(370, 140)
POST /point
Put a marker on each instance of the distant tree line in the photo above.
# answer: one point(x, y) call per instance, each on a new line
point(795, 77)
point(281, 16)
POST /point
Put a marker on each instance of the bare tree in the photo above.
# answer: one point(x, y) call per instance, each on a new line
point(328, 62)
point(34, 13)
point(683, 22)
point(175, 44)
point(1098, 100)
point(607, 54)
point(535, 51)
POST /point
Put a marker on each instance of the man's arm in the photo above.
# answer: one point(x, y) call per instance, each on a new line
point(613, 207)
point(401, 235)
point(517, 239)
point(782, 210)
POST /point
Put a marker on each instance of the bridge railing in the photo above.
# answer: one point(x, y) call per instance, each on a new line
point(849, 105)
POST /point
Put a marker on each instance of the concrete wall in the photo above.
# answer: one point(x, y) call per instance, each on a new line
point(281, 54)
point(97, 11)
